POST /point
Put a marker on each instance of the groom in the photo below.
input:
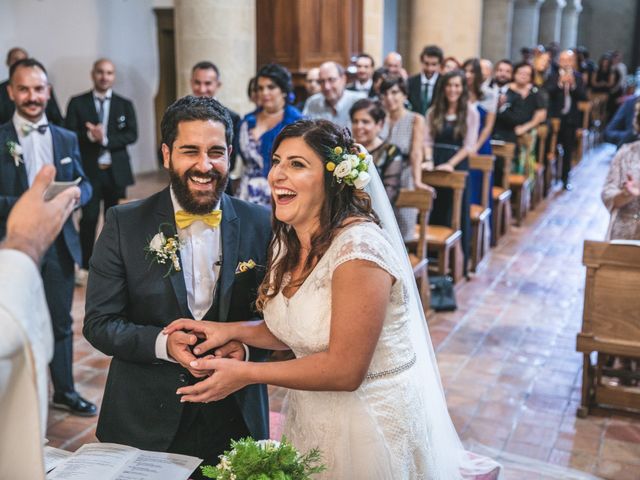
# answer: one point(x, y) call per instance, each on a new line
point(132, 295)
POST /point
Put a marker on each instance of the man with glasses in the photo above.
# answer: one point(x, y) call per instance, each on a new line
point(423, 86)
point(334, 101)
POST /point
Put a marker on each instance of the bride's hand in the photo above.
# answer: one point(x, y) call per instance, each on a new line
point(215, 334)
point(228, 377)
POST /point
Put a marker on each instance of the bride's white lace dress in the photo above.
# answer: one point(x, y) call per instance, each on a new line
point(371, 433)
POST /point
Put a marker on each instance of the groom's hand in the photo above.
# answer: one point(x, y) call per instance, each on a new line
point(232, 349)
point(179, 348)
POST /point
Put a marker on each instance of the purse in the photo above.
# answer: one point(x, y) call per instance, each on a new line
point(443, 297)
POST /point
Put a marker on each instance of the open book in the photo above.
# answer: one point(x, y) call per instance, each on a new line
point(110, 461)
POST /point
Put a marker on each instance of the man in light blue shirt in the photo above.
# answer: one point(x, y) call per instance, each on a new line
point(334, 101)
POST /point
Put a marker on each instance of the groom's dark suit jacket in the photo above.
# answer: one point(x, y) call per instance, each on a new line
point(130, 300)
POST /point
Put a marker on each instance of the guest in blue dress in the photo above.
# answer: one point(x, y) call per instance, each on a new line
point(485, 99)
point(259, 129)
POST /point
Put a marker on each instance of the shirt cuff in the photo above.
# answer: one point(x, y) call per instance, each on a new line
point(246, 352)
point(105, 140)
point(161, 348)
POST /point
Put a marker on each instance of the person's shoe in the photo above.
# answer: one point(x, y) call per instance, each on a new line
point(75, 404)
point(81, 277)
point(568, 187)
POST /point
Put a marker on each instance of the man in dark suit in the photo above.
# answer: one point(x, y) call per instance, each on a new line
point(132, 295)
point(620, 129)
point(205, 82)
point(105, 124)
point(7, 106)
point(565, 90)
point(424, 85)
point(28, 143)
point(364, 74)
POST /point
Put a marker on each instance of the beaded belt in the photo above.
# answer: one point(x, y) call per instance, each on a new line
point(392, 371)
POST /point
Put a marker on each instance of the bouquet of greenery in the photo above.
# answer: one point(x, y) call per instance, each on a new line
point(249, 459)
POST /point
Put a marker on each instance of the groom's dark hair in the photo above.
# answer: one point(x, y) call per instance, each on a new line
point(191, 108)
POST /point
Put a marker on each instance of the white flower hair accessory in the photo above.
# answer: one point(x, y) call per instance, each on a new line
point(350, 166)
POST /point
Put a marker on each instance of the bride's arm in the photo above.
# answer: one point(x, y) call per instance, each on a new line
point(254, 333)
point(360, 295)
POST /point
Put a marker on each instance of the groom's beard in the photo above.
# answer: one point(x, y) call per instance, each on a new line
point(197, 202)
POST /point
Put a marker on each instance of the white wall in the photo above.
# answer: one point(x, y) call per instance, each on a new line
point(67, 36)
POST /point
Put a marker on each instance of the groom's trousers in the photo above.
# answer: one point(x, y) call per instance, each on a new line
point(206, 430)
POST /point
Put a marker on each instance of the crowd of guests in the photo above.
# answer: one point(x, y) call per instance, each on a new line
point(433, 119)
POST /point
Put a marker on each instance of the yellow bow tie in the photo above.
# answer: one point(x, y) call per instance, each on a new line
point(184, 219)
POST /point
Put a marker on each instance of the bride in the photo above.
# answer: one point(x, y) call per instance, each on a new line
point(339, 292)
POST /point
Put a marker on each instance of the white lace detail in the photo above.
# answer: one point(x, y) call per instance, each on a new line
point(370, 433)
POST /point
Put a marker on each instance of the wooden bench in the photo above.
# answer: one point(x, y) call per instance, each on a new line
point(443, 240)
point(538, 190)
point(501, 194)
point(481, 214)
point(610, 324)
point(583, 134)
point(417, 249)
point(554, 166)
point(520, 183)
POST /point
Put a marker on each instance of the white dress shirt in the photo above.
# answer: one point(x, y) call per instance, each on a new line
point(105, 156)
point(37, 148)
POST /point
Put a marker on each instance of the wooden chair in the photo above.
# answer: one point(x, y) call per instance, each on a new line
point(443, 240)
point(538, 191)
point(520, 183)
point(501, 194)
point(610, 324)
point(599, 103)
point(583, 134)
point(554, 167)
point(481, 214)
point(421, 200)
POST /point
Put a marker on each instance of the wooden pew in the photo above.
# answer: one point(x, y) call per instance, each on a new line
point(610, 323)
point(443, 240)
point(554, 166)
point(501, 194)
point(421, 200)
point(583, 134)
point(520, 183)
point(538, 190)
point(481, 214)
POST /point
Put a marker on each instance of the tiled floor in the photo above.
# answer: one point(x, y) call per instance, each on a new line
point(507, 355)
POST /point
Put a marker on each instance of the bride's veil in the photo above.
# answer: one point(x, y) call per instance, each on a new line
point(450, 459)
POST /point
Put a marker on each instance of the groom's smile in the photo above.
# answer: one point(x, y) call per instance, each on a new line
point(198, 164)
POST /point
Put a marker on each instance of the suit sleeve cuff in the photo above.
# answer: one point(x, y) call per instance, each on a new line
point(161, 348)
point(246, 352)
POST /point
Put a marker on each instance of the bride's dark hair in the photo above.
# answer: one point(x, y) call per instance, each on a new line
point(341, 202)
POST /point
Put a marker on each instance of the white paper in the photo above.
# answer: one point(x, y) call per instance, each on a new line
point(110, 461)
point(53, 457)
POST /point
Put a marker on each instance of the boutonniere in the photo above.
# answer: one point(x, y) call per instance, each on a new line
point(15, 150)
point(245, 266)
point(164, 249)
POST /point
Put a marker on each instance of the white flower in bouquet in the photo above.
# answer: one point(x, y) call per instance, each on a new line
point(343, 169)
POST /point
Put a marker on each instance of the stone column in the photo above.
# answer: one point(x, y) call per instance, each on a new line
point(373, 29)
point(569, 24)
point(497, 19)
point(454, 25)
point(526, 18)
point(223, 33)
point(550, 21)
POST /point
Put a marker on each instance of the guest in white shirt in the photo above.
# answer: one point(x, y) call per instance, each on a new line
point(26, 343)
point(334, 101)
point(364, 74)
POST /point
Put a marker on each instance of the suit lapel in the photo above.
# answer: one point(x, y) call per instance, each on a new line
point(230, 243)
point(21, 168)
point(165, 215)
point(55, 140)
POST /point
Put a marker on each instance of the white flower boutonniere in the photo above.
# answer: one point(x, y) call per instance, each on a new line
point(245, 266)
point(15, 150)
point(164, 249)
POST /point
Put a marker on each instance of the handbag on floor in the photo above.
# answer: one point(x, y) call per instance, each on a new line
point(443, 297)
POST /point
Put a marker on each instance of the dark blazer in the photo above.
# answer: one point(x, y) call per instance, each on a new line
point(414, 86)
point(556, 99)
point(7, 107)
point(620, 129)
point(14, 182)
point(122, 130)
point(130, 300)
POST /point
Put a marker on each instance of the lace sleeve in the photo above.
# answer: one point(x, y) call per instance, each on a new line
point(365, 241)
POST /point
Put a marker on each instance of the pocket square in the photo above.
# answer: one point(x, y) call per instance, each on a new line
point(65, 161)
point(245, 266)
